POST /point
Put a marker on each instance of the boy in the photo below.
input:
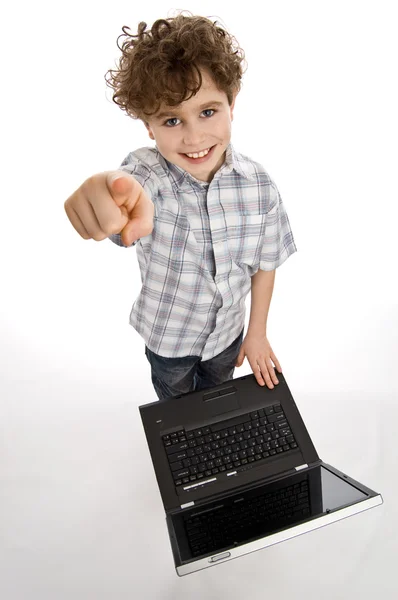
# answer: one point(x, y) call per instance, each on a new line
point(208, 222)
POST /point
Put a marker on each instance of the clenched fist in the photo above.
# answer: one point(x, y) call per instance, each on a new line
point(111, 202)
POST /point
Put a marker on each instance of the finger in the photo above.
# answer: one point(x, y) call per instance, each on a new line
point(76, 221)
point(109, 215)
point(140, 221)
point(90, 222)
point(271, 371)
point(256, 371)
point(276, 362)
point(127, 191)
point(265, 372)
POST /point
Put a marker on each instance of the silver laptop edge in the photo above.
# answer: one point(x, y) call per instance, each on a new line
point(281, 536)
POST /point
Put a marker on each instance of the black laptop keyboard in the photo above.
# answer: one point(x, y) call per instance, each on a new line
point(247, 518)
point(230, 445)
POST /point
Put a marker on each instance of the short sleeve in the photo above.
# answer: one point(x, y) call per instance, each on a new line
point(143, 175)
point(278, 242)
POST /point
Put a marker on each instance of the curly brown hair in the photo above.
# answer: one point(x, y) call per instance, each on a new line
point(162, 66)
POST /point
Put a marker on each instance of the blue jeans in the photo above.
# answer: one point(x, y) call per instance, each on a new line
point(173, 376)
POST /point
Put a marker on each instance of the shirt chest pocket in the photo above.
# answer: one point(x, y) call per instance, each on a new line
point(245, 235)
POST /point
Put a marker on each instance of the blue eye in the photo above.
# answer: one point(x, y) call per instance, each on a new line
point(168, 120)
point(169, 124)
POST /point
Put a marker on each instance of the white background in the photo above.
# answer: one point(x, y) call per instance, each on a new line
point(80, 512)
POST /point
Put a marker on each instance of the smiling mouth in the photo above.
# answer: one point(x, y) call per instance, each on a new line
point(199, 154)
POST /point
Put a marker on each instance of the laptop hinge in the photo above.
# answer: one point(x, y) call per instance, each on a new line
point(187, 504)
point(305, 466)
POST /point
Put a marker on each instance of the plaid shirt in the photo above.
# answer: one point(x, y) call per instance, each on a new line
point(207, 242)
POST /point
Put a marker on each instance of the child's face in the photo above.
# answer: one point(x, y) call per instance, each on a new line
point(202, 122)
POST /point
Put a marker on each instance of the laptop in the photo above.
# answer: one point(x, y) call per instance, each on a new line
point(237, 472)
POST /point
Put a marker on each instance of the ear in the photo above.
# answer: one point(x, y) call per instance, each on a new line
point(149, 130)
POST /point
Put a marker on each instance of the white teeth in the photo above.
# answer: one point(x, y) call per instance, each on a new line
point(200, 154)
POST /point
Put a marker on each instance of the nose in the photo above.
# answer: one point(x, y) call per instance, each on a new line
point(193, 137)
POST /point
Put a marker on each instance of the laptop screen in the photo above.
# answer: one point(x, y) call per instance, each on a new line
point(241, 518)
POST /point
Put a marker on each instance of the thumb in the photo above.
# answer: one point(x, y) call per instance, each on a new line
point(120, 186)
point(240, 359)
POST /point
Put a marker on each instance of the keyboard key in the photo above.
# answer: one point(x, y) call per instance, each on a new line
point(276, 417)
point(177, 456)
point(177, 447)
point(181, 474)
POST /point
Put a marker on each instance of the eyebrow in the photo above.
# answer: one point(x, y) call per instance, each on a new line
point(174, 113)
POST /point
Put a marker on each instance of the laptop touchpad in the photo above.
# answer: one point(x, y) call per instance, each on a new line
point(221, 401)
